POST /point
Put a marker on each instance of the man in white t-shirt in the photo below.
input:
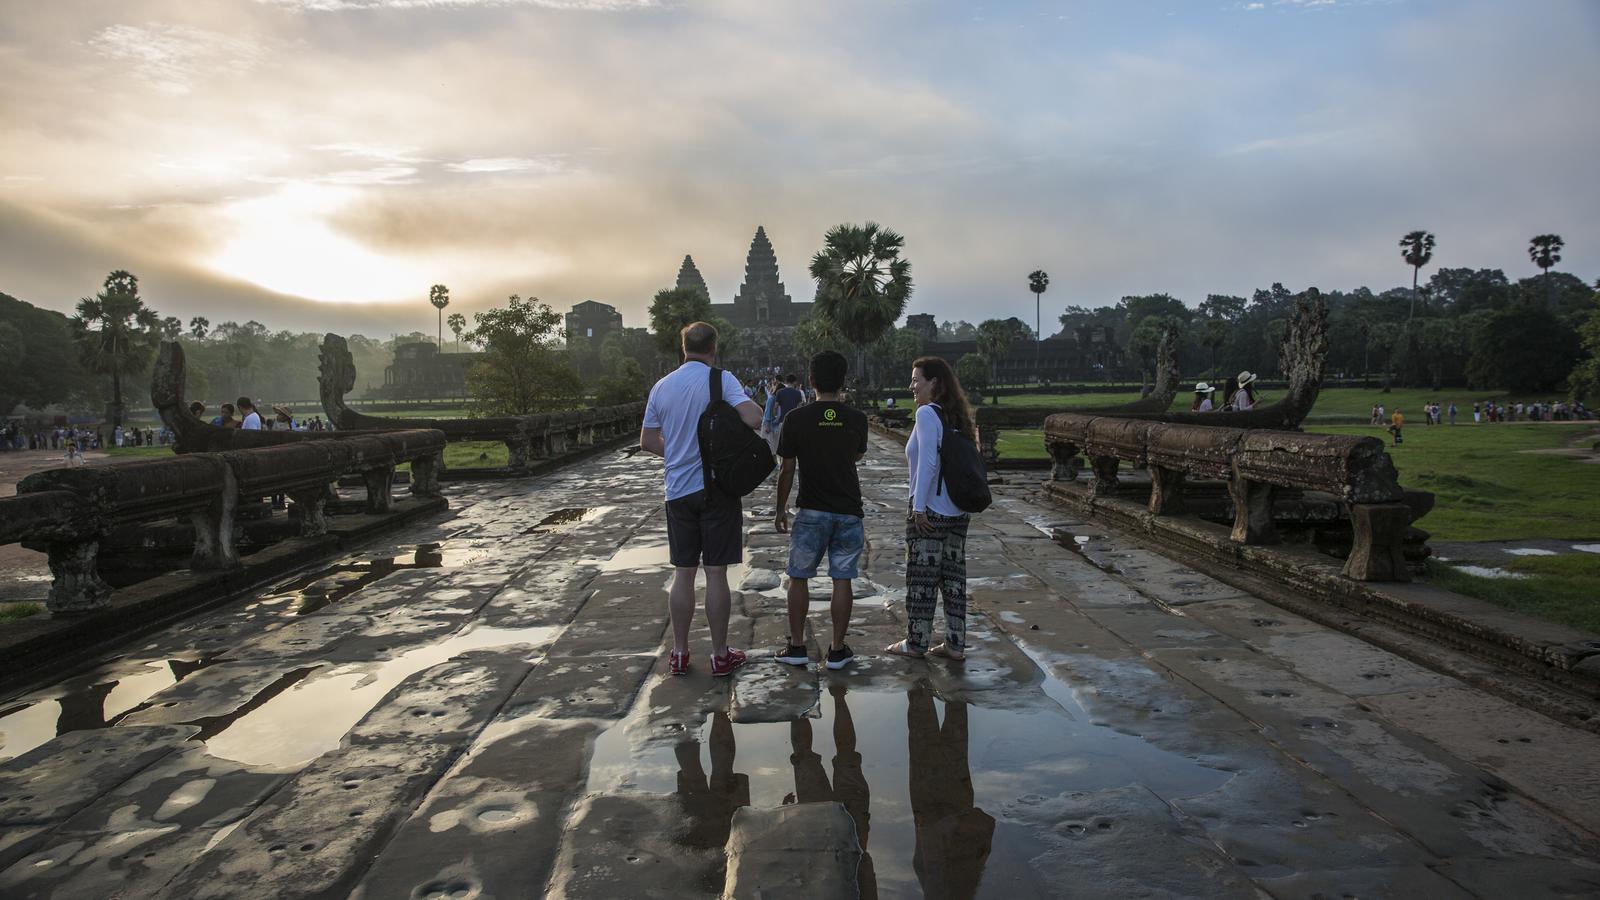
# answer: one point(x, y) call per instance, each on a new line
point(704, 527)
point(250, 420)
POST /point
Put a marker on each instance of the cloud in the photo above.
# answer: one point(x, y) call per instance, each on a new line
point(359, 5)
point(548, 165)
point(173, 57)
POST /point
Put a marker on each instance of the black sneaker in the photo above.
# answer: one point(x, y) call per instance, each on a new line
point(794, 655)
point(838, 659)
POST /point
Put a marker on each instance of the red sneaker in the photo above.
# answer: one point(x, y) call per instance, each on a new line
point(678, 663)
point(722, 666)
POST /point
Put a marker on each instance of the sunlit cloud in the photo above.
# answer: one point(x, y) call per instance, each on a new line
point(541, 166)
point(373, 151)
point(344, 5)
point(173, 57)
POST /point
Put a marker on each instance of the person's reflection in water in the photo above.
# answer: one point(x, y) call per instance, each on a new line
point(709, 802)
point(849, 783)
point(953, 835)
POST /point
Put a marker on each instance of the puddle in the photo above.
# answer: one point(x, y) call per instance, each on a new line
point(1487, 572)
point(647, 557)
point(309, 716)
point(564, 519)
point(316, 591)
point(1529, 551)
point(84, 703)
point(911, 768)
point(1587, 548)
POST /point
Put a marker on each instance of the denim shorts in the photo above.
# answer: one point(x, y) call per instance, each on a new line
point(842, 537)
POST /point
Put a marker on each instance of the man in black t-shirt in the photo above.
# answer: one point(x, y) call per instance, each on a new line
point(827, 439)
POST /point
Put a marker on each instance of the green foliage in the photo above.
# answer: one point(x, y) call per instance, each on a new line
point(862, 283)
point(815, 334)
point(972, 370)
point(458, 326)
point(994, 339)
point(41, 364)
point(626, 384)
point(116, 333)
point(1558, 588)
point(1584, 381)
point(674, 308)
point(1038, 281)
point(11, 612)
point(1527, 349)
point(520, 372)
point(893, 355)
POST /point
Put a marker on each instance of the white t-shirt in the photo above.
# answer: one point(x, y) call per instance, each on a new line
point(675, 405)
point(252, 422)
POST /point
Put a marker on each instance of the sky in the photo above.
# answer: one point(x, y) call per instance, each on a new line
point(318, 164)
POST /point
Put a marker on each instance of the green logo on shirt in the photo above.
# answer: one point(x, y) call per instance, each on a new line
point(830, 414)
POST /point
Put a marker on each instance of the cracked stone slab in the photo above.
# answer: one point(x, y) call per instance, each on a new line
point(315, 835)
point(625, 637)
point(216, 691)
point(599, 687)
point(807, 850)
point(445, 704)
point(55, 780)
point(644, 846)
point(493, 825)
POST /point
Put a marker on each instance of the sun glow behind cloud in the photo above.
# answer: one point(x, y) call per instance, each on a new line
point(283, 242)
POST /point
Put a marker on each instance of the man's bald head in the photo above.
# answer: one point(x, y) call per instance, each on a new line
point(699, 339)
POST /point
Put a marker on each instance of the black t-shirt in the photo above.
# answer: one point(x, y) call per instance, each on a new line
point(788, 398)
point(826, 436)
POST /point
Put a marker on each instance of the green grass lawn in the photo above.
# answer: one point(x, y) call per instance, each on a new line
point(1330, 402)
point(11, 612)
point(1559, 588)
point(125, 452)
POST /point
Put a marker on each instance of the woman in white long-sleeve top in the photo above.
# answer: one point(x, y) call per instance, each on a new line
point(936, 529)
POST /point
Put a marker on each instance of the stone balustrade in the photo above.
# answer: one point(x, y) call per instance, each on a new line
point(1254, 463)
point(69, 512)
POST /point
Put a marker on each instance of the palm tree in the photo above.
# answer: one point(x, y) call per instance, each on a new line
point(458, 324)
point(994, 339)
point(116, 333)
point(1417, 250)
point(1038, 280)
point(439, 296)
point(198, 326)
point(1545, 251)
point(862, 283)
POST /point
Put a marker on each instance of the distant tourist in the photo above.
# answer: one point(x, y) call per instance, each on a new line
point(1245, 396)
point(936, 529)
point(283, 418)
point(1228, 390)
point(74, 455)
point(704, 528)
point(1477, 413)
point(197, 409)
point(1373, 418)
point(1202, 398)
point(226, 419)
point(1396, 422)
point(249, 419)
point(1452, 412)
point(825, 439)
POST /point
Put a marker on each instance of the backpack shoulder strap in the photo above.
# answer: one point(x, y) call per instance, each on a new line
point(716, 384)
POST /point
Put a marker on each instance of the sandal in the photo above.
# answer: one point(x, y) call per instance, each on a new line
point(901, 648)
point(943, 650)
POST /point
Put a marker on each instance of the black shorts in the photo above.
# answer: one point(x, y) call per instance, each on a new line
point(701, 533)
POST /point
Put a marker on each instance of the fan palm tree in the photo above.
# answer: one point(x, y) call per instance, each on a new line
point(1417, 250)
point(1038, 280)
point(116, 333)
point(458, 324)
point(439, 296)
point(994, 339)
point(1545, 251)
point(862, 283)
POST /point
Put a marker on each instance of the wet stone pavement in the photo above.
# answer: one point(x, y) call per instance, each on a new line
point(479, 709)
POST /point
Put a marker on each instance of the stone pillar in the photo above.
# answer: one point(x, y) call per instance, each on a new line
point(989, 442)
point(1166, 492)
point(1252, 511)
point(312, 505)
point(585, 435)
point(425, 475)
point(1377, 549)
point(213, 530)
point(1063, 462)
point(77, 587)
point(380, 487)
point(1105, 476)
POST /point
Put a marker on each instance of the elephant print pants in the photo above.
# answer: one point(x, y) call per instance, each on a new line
point(937, 563)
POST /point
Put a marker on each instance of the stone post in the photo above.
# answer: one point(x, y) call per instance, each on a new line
point(989, 442)
point(77, 587)
point(380, 487)
point(425, 475)
point(1166, 491)
point(1252, 511)
point(312, 505)
point(1377, 550)
point(1063, 462)
point(213, 529)
point(1105, 476)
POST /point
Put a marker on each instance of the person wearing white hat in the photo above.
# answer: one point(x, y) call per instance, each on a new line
point(1245, 397)
point(1202, 397)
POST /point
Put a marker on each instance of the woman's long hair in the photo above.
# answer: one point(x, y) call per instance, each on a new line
point(948, 394)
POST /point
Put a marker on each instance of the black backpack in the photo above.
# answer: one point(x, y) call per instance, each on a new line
point(962, 469)
point(735, 457)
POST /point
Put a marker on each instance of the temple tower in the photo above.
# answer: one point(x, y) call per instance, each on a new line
point(761, 299)
point(689, 277)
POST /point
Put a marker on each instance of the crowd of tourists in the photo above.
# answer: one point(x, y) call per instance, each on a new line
point(719, 444)
point(18, 436)
point(242, 413)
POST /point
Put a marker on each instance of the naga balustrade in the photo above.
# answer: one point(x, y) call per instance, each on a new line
point(1254, 463)
point(69, 512)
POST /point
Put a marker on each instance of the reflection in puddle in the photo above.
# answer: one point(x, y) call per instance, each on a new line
point(82, 704)
point(310, 716)
point(316, 591)
point(926, 780)
point(564, 519)
point(647, 556)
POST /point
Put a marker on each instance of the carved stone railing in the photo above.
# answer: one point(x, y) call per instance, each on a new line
point(1254, 463)
point(68, 512)
point(527, 438)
